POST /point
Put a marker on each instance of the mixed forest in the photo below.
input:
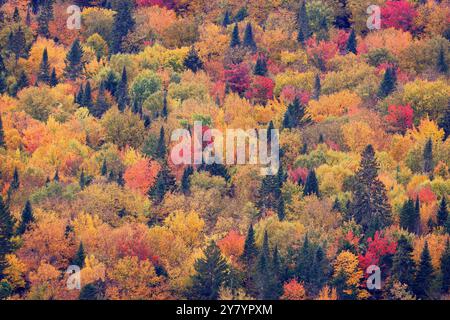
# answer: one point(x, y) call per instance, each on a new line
point(86, 178)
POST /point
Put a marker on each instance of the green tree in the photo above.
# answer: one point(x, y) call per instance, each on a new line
point(311, 184)
point(15, 183)
point(44, 17)
point(104, 168)
point(408, 216)
point(101, 105)
point(260, 66)
point(161, 146)
point(122, 96)
point(27, 218)
point(123, 24)
point(249, 40)
point(317, 88)
point(87, 97)
point(428, 157)
point(211, 273)
point(17, 43)
point(263, 273)
point(6, 234)
point(424, 276)
point(351, 45)
point(235, 39)
point(445, 268)
point(304, 31)
point(442, 214)
point(165, 182)
point(295, 115)
point(80, 255)
point(185, 180)
point(226, 19)
point(53, 78)
point(193, 61)
point(370, 206)
point(442, 65)
point(2, 134)
point(44, 69)
point(403, 266)
point(74, 63)
point(389, 83)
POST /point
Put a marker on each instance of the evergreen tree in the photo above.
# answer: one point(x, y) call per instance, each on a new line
point(337, 205)
point(17, 43)
point(193, 61)
point(45, 15)
point(27, 218)
point(235, 39)
point(250, 251)
point(2, 134)
point(161, 150)
point(311, 184)
point(428, 157)
point(263, 275)
point(101, 105)
point(276, 271)
point(226, 19)
point(249, 41)
point(442, 65)
point(269, 193)
point(123, 24)
point(87, 97)
point(165, 109)
point(44, 69)
point(3, 84)
point(295, 115)
point(445, 268)
point(424, 276)
point(74, 64)
point(82, 180)
point(442, 214)
point(317, 88)
point(56, 176)
point(88, 292)
point(104, 169)
point(28, 17)
point(80, 255)
point(16, 15)
point(53, 78)
point(23, 81)
point(388, 84)
point(260, 66)
point(370, 207)
point(403, 265)
point(408, 217)
point(6, 234)
point(122, 96)
point(15, 183)
point(351, 45)
point(185, 180)
point(281, 210)
point(211, 273)
point(304, 32)
point(303, 266)
point(445, 122)
point(165, 182)
point(241, 14)
point(80, 96)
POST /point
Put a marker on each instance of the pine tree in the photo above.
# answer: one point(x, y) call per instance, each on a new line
point(445, 268)
point(123, 24)
point(15, 183)
point(165, 182)
point(403, 265)
point(53, 78)
point(104, 169)
point(87, 97)
point(165, 109)
point(211, 272)
point(424, 276)
point(56, 176)
point(80, 95)
point(442, 65)
point(241, 14)
point(101, 105)
point(295, 115)
point(442, 214)
point(44, 69)
point(3, 84)
point(260, 66)
point(408, 218)
point(281, 210)
point(45, 15)
point(249, 41)
point(122, 96)
point(304, 32)
point(351, 45)
point(185, 180)
point(78, 260)
point(388, 84)
point(17, 43)
point(161, 150)
point(311, 184)
point(337, 205)
point(6, 234)
point(263, 275)
point(82, 180)
point(317, 88)
point(2, 134)
point(303, 263)
point(370, 207)
point(23, 81)
point(428, 157)
point(27, 218)
point(28, 17)
point(226, 19)
point(74, 64)
point(16, 15)
point(193, 61)
point(250, 251)
point(235, 39)
point(276, 271)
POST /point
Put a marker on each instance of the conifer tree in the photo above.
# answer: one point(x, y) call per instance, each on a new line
point(2, 134)
point(193, 61)
point(337, 205)
point(445, 268)
point(424, 276)
point(281, 209)
point(428, 157)
point(249, 41)
point(276, 271)
point(226, 19)
point(82, 180)
point(445, 122)
point(403, 265)
point(53, 78)
point(241, 14)
point(165, 109)
point(80, 95)
point(56, 176)
point(161, 150)
point(263, 275)
point(44, 17)
point(260, 66)
point(235, 39)
point(3, 84)
point(351, 45)
point(311, 184)
point(16, 15)
point(15, 183)
point(185, 180)
point(303, 28)
point(250, 251)
point(17, 43)
point(44, 69)
point(74, 64)
point(6, 233)
point(388, 84)
point(165, 182)
point(101, 105)
point(104, 169)
point(408, 217)
point(211, 273)
point(122, 96)
point(27, 218)
point(123, 24)
point(303, 263)
point(442, 214)
point(317, 88)
point(295, 115)
point(442, 65)
point(370, 207)
point(80, 255)
point(87, 97)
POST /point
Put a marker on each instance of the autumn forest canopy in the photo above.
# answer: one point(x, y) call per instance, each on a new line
point(87, 112)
